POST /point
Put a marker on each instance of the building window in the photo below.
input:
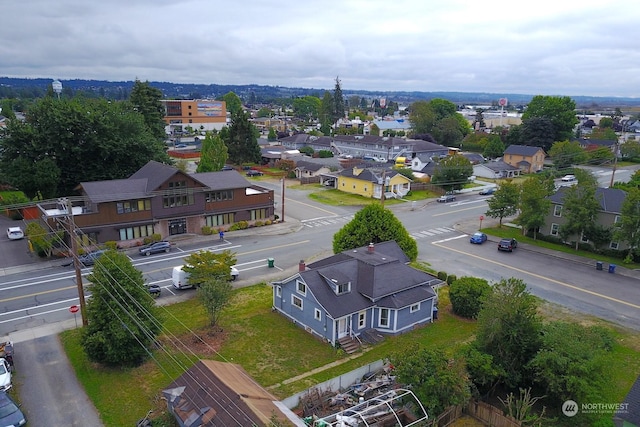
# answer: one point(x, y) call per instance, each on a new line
point(344, 288)
point(135, 232)
point(362, 319)
point(296, 301)
point(301, 287)
point(616, 219)
point(613, 245)
point(557, 210)
point(221, 219)
point(384, 317)
point(554, 229)
point(583, 238)
point(218, 196)
point(178, 195)
point(133, 206)
point(414, 308)
point(258, 214)
point(317, 314)
point(278, 292)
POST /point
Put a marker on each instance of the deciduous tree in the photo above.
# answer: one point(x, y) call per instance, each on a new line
point(628, 228)
point(122, 315)
point(580, 210)
point(509, 328)
point(213, 154)
point(534, 202)
point(561, 110)
point(538, 132)
point(232, 102)
point(374, 224)
point(505, 201)
point(493, 147)
point(204, 265)
point(438, 380)
point(566, 153)
point(453, 172)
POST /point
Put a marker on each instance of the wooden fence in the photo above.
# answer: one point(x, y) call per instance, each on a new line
point(483, 412)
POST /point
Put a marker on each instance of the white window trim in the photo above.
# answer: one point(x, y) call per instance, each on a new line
point(362, 319)
point(297, 298)
point(414, 307)
point(299, 284)
point(614, 245)
point(382, 325)
point(317, 314)
point(279, 291)
point(557, 229)
point(557, 211)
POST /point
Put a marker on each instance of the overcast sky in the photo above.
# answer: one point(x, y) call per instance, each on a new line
point(559, 47)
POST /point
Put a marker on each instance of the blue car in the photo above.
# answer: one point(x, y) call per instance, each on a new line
point(478, 238)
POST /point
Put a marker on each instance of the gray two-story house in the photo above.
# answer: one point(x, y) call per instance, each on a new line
point(356, 291)
point(610, 199)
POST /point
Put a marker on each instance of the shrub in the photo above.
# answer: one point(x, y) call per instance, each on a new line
point(442, 275)
point(268, 222)
point(259, 223)
point(467, 295)
point(451, 278)
point(111, 244)
point(206, 230)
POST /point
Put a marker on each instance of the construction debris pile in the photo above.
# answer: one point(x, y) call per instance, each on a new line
point(375, 401)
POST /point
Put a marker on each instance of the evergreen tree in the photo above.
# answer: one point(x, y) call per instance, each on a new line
point(213, 155)
point(338, 102)
point(122, 315)
point(146, 101)
point(241, 140)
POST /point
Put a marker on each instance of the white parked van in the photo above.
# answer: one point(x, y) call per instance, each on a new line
point(180, 279)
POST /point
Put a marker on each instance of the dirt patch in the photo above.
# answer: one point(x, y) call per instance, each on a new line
point(205, 342)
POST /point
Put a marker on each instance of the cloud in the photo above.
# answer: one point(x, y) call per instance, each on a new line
point(544, 47)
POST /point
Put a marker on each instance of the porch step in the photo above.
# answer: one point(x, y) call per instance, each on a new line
point(349, 345)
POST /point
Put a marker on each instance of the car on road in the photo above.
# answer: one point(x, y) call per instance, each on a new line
point(487, 191)
point(15, 233)
point(10, 413)
point(5, 375)
point(568, 178)
point(507, 245)
point(87, 259)
point(227, 168)
point(181, 145)
point(478, 238)
point(155, 248)
point(446, 198)
point(254, 172)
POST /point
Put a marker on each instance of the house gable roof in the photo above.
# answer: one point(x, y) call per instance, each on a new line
point(310, 166)
point(371, 174)
point(222, 180)
point(631, 412)
point(373, 274)
point(498, 166)
point(114, 190)
point(610, 199)
point(522, 150)
point(156, 174)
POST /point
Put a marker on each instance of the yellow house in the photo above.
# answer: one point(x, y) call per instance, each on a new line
point(368, 182)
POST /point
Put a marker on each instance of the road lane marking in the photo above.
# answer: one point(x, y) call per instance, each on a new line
point(539, 276)
point(457, 210)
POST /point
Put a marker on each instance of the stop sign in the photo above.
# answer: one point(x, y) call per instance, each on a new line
point(481, 217)
point(74, 309)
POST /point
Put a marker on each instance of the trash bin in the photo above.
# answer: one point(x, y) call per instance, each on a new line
point(270, 262)
point(612, 268)
point(598, 265)
point(435, 313)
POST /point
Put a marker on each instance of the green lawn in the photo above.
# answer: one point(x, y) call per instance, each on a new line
point(272, 350)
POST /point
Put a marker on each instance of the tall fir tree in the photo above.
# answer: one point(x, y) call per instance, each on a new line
point(242, 140)
point(338, 102)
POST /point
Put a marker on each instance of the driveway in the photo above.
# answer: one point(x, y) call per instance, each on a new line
point(14, 253)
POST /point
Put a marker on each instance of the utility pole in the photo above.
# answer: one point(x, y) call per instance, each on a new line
point(71, 229)
point(615, 163)
point(283, 186)
point(384, 173)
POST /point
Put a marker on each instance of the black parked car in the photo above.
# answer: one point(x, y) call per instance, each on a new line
point(156, 248)
point(507, 245)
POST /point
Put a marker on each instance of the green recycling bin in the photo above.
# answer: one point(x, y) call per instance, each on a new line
point(270, 262)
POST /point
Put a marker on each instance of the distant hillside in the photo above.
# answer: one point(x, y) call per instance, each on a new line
point(34, 88)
